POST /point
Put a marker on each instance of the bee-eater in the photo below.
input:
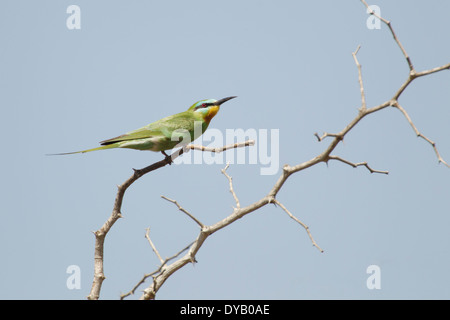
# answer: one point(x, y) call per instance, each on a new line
point(165, 134)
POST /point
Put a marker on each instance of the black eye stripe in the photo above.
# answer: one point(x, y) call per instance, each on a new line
point(203, 105)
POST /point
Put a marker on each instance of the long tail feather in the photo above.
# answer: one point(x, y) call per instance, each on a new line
point(109, 146)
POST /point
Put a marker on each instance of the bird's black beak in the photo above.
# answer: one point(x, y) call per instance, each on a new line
point(219, 102)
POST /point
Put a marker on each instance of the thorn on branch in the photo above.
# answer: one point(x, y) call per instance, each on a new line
point(272, 200)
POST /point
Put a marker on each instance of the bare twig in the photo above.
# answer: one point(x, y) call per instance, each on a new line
point(147, 236)
point(388, 23)
point(361, 87)
point(433, 70)
point(151, 274)
point(326, 134)
point(420, 135)
point(221, 149)
point(230, 181)
point(354, 165)
point(298, 221)
point(185, 211)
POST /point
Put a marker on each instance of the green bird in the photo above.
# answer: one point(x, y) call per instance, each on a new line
point(177, 130)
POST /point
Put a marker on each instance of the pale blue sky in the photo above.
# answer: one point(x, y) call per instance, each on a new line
point(290, 64)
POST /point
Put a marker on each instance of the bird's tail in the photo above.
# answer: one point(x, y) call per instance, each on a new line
point(109, 146)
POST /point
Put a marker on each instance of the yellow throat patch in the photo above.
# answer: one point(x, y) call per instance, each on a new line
point(211, 113)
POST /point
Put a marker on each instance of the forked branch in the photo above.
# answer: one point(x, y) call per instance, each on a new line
point(101, 233)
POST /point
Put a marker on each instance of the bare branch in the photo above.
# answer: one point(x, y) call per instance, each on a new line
point(185, 211)
point(354, 165)
point(100, 234)
point(151, 274)
point(420, 135)
point(414, 75)
point(147, 236)
point(298, 221)
point(230, 181)
point(132, 291)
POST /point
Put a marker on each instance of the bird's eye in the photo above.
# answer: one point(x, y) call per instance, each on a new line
point(204, 105)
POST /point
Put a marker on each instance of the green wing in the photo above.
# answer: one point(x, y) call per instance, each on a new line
point(161, 128)
point(142, 133)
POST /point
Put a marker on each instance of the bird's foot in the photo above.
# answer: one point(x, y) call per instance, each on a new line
point(167, 158)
